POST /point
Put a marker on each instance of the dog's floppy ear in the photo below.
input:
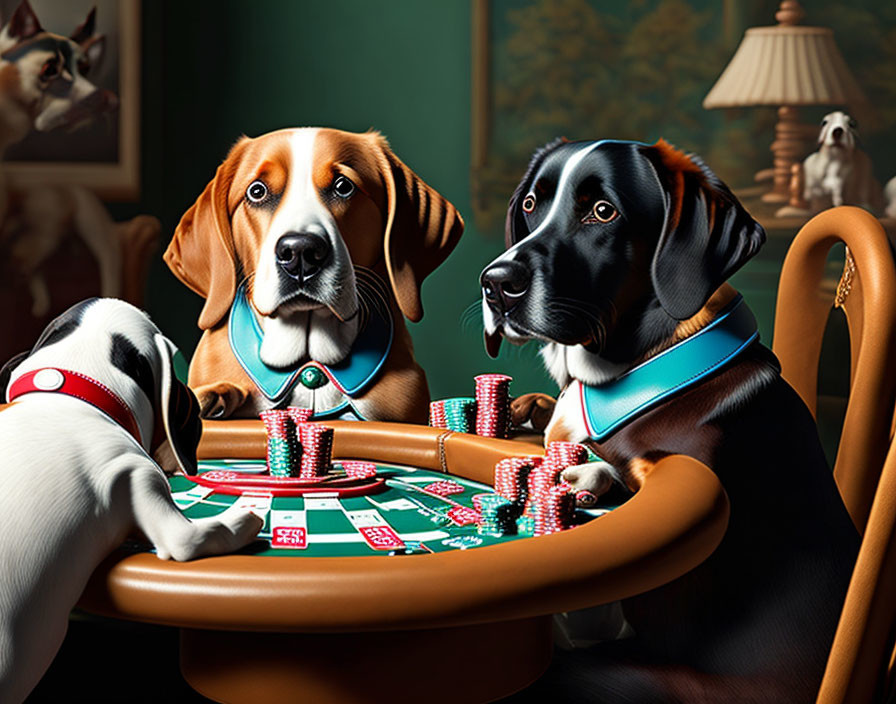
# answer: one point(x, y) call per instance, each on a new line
point(201, 253)
point(179, 410)
point(514, 225)
point(421, 229)
point(707, 235)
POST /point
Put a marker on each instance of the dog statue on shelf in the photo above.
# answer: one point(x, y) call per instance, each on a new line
point(310, 247)
point(839, 173)
point(97, 418)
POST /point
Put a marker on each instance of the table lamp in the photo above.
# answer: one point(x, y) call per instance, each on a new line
point(787, 65)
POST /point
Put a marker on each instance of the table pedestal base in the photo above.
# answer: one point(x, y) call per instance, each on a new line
point(466, 664)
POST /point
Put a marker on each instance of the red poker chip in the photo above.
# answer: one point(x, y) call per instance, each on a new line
point(437, 416)
point(444, 488)
point(464, 516)
point(509, 475)
point(359, 469)
point(299, 415)
point(317, 446)
point(490, 377)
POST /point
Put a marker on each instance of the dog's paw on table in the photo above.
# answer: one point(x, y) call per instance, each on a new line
point(221, 400)
point(535, 409)
point(590, 481)
point(214, 535)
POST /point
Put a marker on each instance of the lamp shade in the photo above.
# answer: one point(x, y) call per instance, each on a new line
point(785, 65)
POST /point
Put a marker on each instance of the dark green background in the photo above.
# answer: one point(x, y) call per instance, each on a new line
point(215, 70)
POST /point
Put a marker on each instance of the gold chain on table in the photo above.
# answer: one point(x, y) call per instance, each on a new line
point(844, 286)
point(443, 459)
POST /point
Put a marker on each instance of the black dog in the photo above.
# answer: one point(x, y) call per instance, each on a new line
point(618, 256)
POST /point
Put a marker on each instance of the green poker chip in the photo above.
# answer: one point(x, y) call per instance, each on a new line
point(498, 515)
point(460, 414)
point(282, 458)
point(525, 525)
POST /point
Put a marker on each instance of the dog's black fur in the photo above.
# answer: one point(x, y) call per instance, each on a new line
point(755, 621)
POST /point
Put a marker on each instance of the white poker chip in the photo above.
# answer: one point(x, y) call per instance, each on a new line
point(462, 542)
point(48, 379)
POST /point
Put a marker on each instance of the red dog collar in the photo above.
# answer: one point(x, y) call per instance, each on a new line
point(63, 381)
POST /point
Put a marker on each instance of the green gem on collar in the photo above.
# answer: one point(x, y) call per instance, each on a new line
point(312, 378)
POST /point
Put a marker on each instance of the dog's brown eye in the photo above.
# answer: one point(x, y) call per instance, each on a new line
point(49, 70)
point(604, 211)
point(529, 203)
point(343, 187)
point(257, 191)
point(83, 66)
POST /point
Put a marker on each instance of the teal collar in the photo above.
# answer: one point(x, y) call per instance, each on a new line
point(609, 406)
point(351, 376)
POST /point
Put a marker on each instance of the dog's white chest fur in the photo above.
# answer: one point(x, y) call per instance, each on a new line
point(570, 367)
point(315, 334)
point(567, 422)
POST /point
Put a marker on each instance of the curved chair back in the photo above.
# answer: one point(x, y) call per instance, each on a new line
point(867, 294)
point(860, 664)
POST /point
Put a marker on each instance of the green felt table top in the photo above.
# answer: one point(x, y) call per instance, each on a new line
point(418, 519)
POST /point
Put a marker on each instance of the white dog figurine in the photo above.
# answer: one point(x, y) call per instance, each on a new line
point(91, 403)
point(839, 173)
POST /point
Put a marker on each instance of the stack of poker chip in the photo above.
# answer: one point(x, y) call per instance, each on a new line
point(556, 511)
point(460, 414)
point(497, 515)
point(299, 415)
point(492, 405)
point(317, 449)
point(283, 450)
point(512, 476)
point(541, 481)
point(437, 414)
point(359, 470)
point(565, 454)
point(544, 479)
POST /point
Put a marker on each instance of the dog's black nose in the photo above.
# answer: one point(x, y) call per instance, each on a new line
point(301, 254)
point(837, 133)
point(504, 284)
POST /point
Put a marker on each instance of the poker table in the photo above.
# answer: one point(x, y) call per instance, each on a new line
point(422, 611)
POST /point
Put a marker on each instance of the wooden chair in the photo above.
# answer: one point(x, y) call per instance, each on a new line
point(867, 295)
point(860, 663)
point(860, 667)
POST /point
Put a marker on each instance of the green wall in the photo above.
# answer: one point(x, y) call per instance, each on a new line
point(215, 70)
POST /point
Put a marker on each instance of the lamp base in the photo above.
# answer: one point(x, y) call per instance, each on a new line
point(787, 149)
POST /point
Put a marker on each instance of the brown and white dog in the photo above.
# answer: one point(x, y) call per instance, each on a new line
point(45, 84)
point(292, 245)
point(617, 258)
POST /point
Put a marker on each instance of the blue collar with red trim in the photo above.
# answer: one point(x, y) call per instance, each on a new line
point(609, 406)
point(351, 376)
